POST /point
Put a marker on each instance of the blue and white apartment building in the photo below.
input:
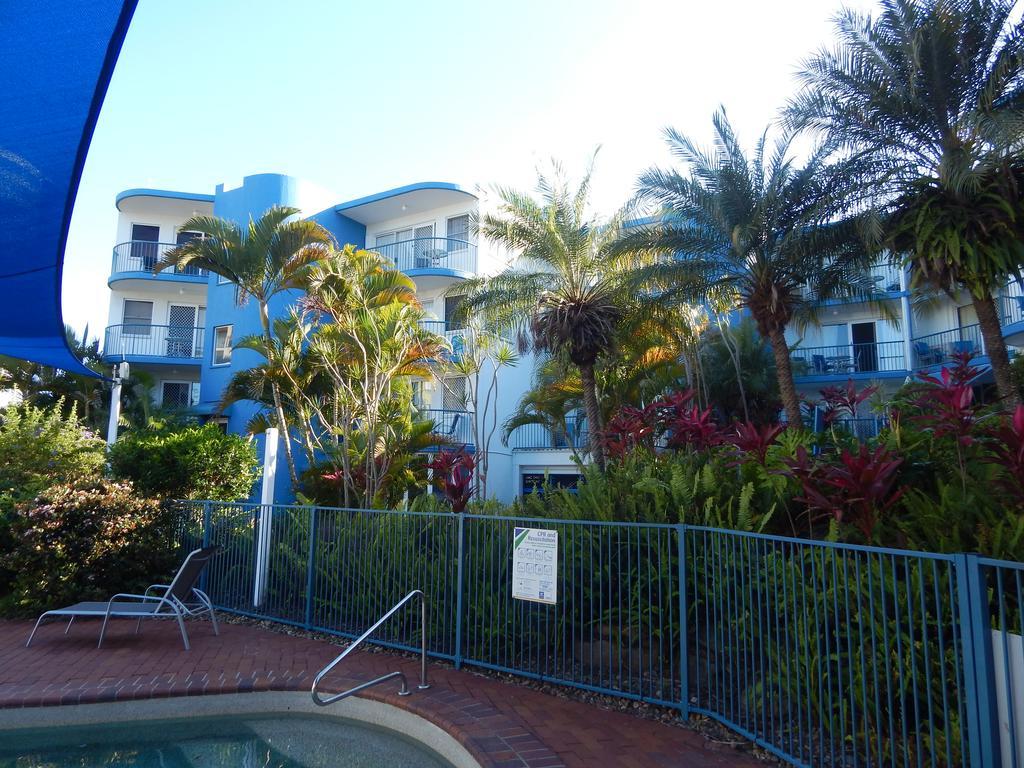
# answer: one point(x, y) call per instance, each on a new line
point(855, 339)
point(180, 327)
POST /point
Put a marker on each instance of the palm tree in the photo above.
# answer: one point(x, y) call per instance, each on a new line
point(567, 294)
point(756, 233)
point(368, 341)
point(270, 255)
point(924, 104)
point(298, 381)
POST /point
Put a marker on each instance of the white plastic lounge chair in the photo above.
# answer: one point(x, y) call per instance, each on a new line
point(181, 599)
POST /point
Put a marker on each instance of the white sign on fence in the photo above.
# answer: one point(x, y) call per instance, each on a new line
point(535, 565)
point(1009, 666)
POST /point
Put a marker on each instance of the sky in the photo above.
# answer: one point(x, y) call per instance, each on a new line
point(363, 97)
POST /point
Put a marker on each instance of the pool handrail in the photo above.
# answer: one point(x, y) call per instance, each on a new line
point(404, 691)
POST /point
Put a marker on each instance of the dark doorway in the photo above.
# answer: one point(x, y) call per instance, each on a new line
point(144, 244)
point(865, 351)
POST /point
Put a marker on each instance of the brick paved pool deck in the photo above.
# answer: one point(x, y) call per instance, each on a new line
point(501, 724)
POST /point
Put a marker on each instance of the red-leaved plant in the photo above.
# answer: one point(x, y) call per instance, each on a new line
point(838, 401)
point(453, 476)
point(684, 425)
point(672, 417)
point(858, 490)
point(629, 429)
point(753, 440)
point(946, 401)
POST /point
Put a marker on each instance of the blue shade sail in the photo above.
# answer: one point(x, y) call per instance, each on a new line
point(56, 59)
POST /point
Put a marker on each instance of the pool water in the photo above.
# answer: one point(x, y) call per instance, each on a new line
point(286, 741)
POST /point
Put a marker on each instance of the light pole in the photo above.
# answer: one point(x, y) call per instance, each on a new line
point(120, 373)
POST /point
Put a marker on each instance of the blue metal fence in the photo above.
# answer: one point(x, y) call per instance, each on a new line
point(823, 653)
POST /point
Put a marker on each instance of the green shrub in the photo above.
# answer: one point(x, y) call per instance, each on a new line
point(87, 541)
point(194, 462)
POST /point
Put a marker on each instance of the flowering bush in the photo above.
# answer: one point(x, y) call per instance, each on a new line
point(87, 541)
point(39, 447)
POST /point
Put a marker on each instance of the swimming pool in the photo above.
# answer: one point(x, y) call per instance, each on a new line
point(239, 731)
point(291, 741)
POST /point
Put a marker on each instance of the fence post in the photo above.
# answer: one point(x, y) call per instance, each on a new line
point(979, 675)
point(459, 570)
point(684, 661)
point(207, 535)
point(311, 565)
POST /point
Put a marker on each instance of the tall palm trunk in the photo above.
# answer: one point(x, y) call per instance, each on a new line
point(784, 374)
point(278, 407)
point(995, 347)
point(593, 414)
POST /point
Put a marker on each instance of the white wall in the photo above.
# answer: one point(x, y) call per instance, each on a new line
point(169, 224)
point(813, 335)
point(438, 217)
point(190, 295)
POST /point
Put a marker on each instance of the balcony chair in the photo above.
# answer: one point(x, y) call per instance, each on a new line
point(453, 428)
point(181, 599)
point(962, 347)
point(927, 355)
point(430, 258)
point(819, 363)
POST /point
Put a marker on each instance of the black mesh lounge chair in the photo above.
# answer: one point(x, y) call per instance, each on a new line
point(181, 599)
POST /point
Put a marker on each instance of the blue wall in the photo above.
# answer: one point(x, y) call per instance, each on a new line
point(256, 194)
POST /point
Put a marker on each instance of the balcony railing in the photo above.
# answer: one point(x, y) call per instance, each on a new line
point(460, 339)
point(1011, 303)
point(885, 277)
point(539, 437)
point(431, 253)
point(453, 425)
point(142, 256)
point(879, 356)
point(937, 348)
point(166, 341)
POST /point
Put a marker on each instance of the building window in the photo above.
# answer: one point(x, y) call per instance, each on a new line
point(458, 231)
point(534, 482)
point(454, 397)
point(137, 317)
point(222, 344)
point(176, 394)
point(417, 393)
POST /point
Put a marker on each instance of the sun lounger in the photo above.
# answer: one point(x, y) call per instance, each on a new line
point(179, 600)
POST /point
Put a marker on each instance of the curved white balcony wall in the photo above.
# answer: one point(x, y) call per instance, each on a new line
point(166, 211)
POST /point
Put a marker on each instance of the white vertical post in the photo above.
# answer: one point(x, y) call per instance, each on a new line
point(120, 373)
point(908, 320)
point(266, 512)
